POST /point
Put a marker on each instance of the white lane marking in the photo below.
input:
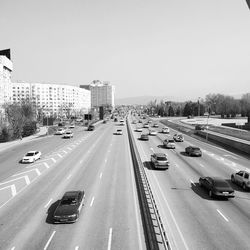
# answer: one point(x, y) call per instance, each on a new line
point(152, 150)
point(53, 160)
point(47, 244)
point(202, 165)
point(100, 175)
point(46, 164)
point(231, 156)
point(171, 213)
point(110, 239)
point(59, 155)
point(81, 160)
point(91, 203)
point(223, 216)
point(68, 176)
point(25, 177)
point(65, 152)
point(192, 182)
point(13, 189)
point(13, 248)
point(69, 148)
point(37, 171)
point(77, 247)
point(106, 160)
point(47, 204)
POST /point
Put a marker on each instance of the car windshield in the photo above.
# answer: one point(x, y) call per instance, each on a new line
point(220, 183)
point(30, 154)
point(171, 141)
point(196, 149)
point(68, 132)
point(69, 201)
point(161, 158)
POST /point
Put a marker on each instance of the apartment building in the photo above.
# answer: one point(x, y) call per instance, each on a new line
point(53, 99)
point(102, 93)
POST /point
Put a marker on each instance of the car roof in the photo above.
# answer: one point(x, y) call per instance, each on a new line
point(72, 193)
point(160, 155)
point(32, 151)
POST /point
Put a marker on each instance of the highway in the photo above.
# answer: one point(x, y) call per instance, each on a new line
point(97, 162)
point(193, 220)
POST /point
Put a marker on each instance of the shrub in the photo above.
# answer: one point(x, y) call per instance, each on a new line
point(4, 134)
point(29, 128)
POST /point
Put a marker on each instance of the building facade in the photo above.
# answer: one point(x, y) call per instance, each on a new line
point(53, 99)
point(102, 94)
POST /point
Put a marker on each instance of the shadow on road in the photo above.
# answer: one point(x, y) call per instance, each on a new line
point(51, 211)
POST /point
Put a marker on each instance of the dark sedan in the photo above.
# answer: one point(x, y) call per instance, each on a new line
point(193, 151)
point(216, 187)
point(69, 207)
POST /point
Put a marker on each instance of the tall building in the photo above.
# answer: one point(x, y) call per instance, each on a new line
point(53, 99)
point(6, 68)
point(102, 94)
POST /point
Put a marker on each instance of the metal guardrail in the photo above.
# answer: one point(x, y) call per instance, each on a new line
point(154, 231)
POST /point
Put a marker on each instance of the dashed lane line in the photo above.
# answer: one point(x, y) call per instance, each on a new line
point(223, 216)
point(34, 169)
point(47, 204)
point(68, 177)
point(110, 239)
point(100, 175)
point(91, 203)
point(50, 239)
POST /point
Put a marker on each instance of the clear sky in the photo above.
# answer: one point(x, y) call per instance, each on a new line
point(181, 48)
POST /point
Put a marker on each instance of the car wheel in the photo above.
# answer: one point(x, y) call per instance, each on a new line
point(244, 186)
point(210, 194)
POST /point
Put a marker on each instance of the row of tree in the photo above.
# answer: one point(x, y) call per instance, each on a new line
point(226, 106)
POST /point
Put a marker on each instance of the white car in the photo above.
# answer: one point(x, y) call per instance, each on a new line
point(31, 156)
point(241, 178)
point(68, 134)
point(165, 130)
point(169, 143)
point(72, 126)
point(119, 132)
point(152, 132)
point(146, 125)
point(138, 129)
point(60, 131)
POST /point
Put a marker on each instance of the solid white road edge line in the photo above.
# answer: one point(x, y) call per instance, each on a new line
point(48, 203)
point(223, 216)
point(100, 175)
point(110, 239)
point(69, 176)
point(47, 244)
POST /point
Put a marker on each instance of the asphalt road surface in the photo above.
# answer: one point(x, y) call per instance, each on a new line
point(97, 162)
point(192, 219)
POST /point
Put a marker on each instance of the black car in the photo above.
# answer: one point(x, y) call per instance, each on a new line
point(195, 151)
point(69, 207)
point(216, 187)
point(91, 127)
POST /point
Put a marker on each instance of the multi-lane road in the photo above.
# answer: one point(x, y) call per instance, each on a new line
point(97, 162)
point(191, 218)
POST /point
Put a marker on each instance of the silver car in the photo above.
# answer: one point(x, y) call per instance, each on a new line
point(242, 179)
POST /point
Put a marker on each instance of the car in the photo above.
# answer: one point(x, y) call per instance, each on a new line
point(146, 125)
point(169, 143)
point(199, 127)
point(134, 122)
point(91, 127)
point(140, 121)
point(68, 134)
point(104, 121)
point(195, 151)
point(165, 130)
point(31, 156)
point(69, 207)
point(118, 132)
point(160, 160)
point(178, 137)
point(122, 123)
point(156, 125)
point(242, 179)
point(60, 131)
point(115, 120)
point(152, 132)
point(72, 126)
point(144, 137)
point(139, 129)
point(216, 187)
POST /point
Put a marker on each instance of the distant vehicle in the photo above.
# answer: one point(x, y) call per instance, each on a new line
point(68, 134)
point(169, 143)
point(134, 122)
point(61, 124)
point(72, 126)
point(118, 132)
point(146, 125)
point(91, 127)
point(156, 125)
point(152, 132)
point(195, 151)
point(122, 123)
point(199, 127)
point(60, 131)
point(115, 120)
point(69, 207)
point(104, 121)
point(138, 129)
point(242, 179)
point(159, 160)
point(165, 130)
point(144, 137)
point(216, 187)
point(31, 156)
point(140, 121)
point(178, 137)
